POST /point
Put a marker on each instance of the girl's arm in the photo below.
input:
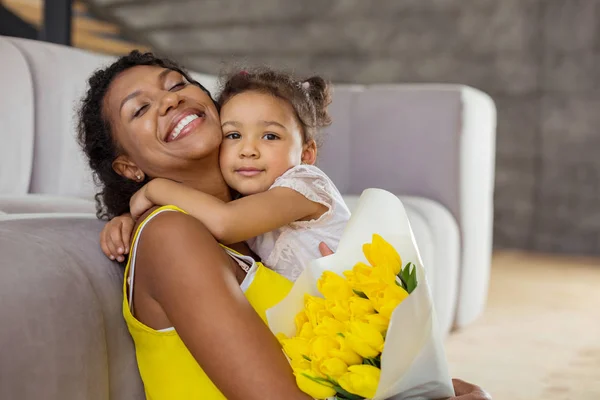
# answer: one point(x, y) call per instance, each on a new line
point(237, 220)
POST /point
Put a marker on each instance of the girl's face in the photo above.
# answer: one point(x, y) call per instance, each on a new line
point(262, 139)
point(162, 123)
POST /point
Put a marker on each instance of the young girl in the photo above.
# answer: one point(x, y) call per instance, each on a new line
point(287, 206)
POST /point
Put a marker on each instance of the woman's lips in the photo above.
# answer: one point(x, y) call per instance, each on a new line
point(249, 172)
point(187, 129)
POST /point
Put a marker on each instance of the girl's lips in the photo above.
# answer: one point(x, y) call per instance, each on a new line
point(249, 172)
point(188, 129)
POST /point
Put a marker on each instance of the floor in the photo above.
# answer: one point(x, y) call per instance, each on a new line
point(539, 337)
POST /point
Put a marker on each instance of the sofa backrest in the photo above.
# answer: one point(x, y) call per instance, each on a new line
point(16, 121)
point(408, 139)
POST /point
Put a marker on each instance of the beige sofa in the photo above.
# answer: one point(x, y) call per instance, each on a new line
point(61, 332)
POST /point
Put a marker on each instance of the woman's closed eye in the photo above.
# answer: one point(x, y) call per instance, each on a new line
point(233, 135)
point(140, 111)
point(270, 136)
point(178, 86)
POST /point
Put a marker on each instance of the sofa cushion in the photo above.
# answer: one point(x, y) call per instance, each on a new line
point(62, 327)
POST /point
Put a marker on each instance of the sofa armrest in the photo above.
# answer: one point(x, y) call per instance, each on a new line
point(436, 142)
point(40, 203)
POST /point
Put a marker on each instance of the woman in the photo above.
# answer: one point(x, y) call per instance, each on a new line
point(184, 279)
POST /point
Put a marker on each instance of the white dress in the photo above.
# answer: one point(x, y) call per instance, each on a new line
point(289, 249)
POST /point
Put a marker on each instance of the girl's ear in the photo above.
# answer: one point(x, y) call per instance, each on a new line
point(309, 153)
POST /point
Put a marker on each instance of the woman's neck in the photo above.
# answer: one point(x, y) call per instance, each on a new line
point(206, 177)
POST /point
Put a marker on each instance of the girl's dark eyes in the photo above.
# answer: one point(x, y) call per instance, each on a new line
point(233, 135)
point(140, 111)
point(270, 136)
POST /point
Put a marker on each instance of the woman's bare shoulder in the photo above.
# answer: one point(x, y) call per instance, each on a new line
point(171, 230)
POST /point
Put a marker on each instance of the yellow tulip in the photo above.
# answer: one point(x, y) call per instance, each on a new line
point(315, 309)
point(358, 274)
point(339, 309)
point(345, 353)
point(320, 346)
point(301, 363)
point(361, 380)
point(281, 337)
point(329, 327)
point(381, 254)
point(385, 301)
point(332, 367)
point(296, 347)
point(334, 287)
point(306, 331)
point(311, 384)
point(300, 319)
point(378, 321)
point(366, 279)
point(364, 339)
point(360, 307)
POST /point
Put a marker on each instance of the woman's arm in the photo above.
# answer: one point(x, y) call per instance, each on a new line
point(237, 220)
point(199, 295)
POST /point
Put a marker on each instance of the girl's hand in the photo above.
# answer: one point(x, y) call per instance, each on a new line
point(140, 203)
point(115, 236)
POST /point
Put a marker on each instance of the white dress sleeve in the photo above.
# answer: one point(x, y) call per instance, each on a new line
point(310, 182)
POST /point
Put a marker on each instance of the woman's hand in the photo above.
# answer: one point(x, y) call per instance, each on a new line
point(468, 391)
point(115, 236)
point(140, 203)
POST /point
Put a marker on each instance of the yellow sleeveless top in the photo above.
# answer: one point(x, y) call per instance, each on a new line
point(167, 368)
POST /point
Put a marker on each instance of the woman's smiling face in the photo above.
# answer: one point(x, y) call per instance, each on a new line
point(160, 121)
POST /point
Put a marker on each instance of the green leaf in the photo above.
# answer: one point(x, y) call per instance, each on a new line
point(374, 362)
point(319, 380)
point(340, 334)
point(360, 294)
point(404, 275)
point(345, 394)
point(411, 282)
point(307, 358)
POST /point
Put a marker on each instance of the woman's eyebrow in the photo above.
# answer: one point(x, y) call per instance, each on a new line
point(161, 77)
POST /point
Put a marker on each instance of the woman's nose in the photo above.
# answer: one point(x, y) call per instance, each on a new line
point(169, 101)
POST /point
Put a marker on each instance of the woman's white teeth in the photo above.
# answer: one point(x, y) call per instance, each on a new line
point(182, 124)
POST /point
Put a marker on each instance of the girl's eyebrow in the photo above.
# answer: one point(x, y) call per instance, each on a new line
point(233, 123)
point(267, 123)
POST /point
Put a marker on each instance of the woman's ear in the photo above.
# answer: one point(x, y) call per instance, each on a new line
point(126, 168)
point(309, 152)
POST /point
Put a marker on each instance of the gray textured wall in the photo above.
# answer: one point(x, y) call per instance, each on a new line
point(539, 59)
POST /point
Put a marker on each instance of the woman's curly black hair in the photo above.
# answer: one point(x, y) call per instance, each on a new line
point(96, 138)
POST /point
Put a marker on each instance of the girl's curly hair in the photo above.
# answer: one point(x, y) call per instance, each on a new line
point(96, 138)
point(309, 97)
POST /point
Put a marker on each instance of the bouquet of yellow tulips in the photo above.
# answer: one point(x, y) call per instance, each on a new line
point(360, 324)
